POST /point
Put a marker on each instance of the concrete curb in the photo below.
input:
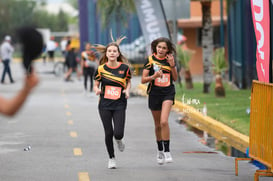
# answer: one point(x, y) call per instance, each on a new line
point(213, 127)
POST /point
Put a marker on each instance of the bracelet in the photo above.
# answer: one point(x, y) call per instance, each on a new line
point(173, 66)
point(152, 77)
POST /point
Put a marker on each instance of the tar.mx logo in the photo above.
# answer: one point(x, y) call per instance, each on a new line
point(190, 101)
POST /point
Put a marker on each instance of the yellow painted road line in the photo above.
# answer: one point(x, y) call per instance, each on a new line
point(73, 134)
point(83, 176)
point(77, 151)
point(70, 122)
point(68, 113)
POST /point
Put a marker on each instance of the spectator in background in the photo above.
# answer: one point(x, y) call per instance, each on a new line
point(63, 45)
point(88, 65)
point(71, 61)
point(6, 51)
point(50, 48)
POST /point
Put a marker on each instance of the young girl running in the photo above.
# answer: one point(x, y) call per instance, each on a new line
point(160, 71)
point(112, 83)
point(88, 65)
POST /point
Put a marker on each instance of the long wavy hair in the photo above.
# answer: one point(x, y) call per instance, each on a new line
point(103, 59)
point(103, 49)
point(170, 45)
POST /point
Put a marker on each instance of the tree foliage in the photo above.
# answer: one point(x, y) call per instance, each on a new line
point(16, 13)
point(184, 56)
point(113, 10)
point(219, 61)
point(73, 3)
point(43, 19)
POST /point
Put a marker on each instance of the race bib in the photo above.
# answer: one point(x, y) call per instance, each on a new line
point(112, 92)
point(164, 81)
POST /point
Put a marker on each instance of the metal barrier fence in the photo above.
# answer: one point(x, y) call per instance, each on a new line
point(261, 127)
point(261, 123)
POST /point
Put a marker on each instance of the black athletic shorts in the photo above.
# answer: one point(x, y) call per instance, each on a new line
point(155, 101)
point(51, 54)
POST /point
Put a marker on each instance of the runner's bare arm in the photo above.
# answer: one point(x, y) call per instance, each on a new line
point(97, 90)
point(127, 90)
point(146, 78)
point(171, 61)
point(11, 106)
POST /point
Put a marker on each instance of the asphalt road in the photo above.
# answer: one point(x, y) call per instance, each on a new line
point(62, 129)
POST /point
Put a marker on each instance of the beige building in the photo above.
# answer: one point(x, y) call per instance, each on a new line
point(192, 30)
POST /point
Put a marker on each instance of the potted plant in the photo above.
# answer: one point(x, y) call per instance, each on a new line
point(219, 66)
point(184, 57)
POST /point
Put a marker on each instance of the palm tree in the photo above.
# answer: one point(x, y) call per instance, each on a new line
point(115, 10)
point(207, 44)
point(184, 57)
point(219, 67)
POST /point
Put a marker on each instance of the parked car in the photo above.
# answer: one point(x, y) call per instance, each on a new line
point(135, 51)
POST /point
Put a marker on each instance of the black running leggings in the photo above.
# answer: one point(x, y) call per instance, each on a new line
point(88, 72)
point(118, 118)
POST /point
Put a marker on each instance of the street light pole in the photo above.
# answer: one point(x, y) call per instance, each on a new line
point(174, 37)
point(221, 24)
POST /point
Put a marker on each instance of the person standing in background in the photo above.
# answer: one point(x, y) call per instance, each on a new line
point(6, 51)
point(63, 45)
point(71, 61)
point(50, 48)
point(88, 65)
point(160, 71)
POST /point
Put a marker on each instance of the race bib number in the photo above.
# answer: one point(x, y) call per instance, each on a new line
point(164, 81)
point(112, 92)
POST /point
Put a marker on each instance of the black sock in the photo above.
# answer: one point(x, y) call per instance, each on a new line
point(166, 144)
point(160, 145)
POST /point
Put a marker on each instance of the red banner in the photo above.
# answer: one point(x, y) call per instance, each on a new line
point(261, 18)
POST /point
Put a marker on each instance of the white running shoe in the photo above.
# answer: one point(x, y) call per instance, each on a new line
point(121, 145)
point(160, 157)
point(168, 157)
point(112, 163)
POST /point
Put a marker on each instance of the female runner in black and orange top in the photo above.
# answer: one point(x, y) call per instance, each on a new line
point(88, 65)
point(160, 72)
point(112, 83)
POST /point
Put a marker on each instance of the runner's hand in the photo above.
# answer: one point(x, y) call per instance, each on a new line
point(158, 74)
point(127, 93)
point(170, 60)
point(97, 91)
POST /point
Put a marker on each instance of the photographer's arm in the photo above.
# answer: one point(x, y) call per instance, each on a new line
point(11, 106)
